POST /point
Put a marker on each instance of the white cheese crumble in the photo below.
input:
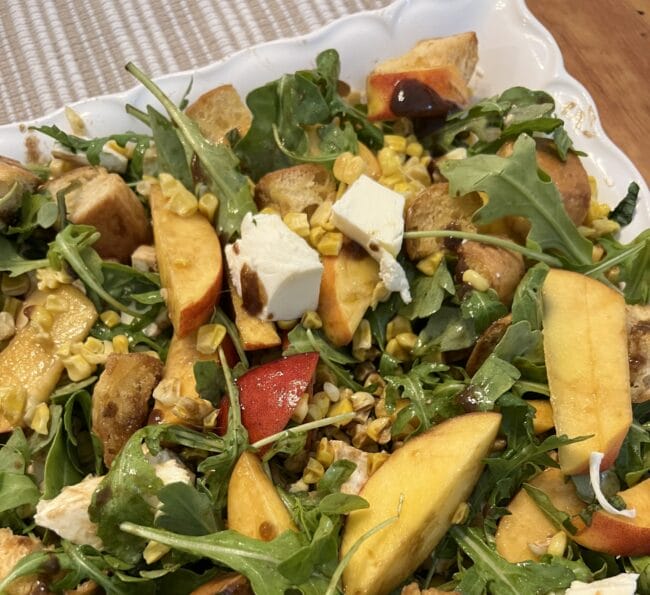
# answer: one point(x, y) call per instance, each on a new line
point(595, 460)
point(271, 258)
point(373, 216)
point(621, 584)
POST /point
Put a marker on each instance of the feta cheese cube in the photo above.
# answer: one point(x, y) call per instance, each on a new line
point(373, 216)
point(275, 272)
point(621, 584)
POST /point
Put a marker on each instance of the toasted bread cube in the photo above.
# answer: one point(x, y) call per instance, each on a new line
point(638, 327)
point(103, 200)
point(14, 548)
point(219, 111)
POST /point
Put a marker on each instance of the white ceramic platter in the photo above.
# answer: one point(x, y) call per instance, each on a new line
point(514, 49)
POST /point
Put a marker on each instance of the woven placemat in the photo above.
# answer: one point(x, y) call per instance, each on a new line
point(56, 52)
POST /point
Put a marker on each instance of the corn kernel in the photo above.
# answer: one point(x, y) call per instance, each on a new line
point(426, 160)
point(461, 513)
point(597, 210)
point(605, 226)
point(41, 317)
point(362, 338)
point(325, 453)
point(14, 286)
point(339, 408)
point(110, 318)
point(313, 471)
point(12, 306)
point(389, 161)
point(76, 122)
point(311, 320)
point(50, 279)
point(208, 205)
point(179, 199)
point(392, 180)
point(316, 235)
point(348, 167)
point(414, 149)
point(362, 400)
point(209, 337)
point(55, 304)
point(301, 410)
point(298, 223)
point(418, 173)
point(378, 430)
point(376, 460)
point(476, 280)
point(557, 544)
point(395, 142)
point(78, 368)
point(192, 410)
point(269, 210)
point(399, 324)
point(407, 340)
point(429, 264)
point(394, 349)
point(40, 419)
point(402, 188)
point(286, 325)
point(153, 551)
point(379, 294)
point(126, 150)
point(322, 401)
point(120, 344)
point(314, 412)
point(375, 379)
point(321, 214)
point(12, 403)
point(330, 244)
point(597, 253)
point(167, 391)
point(360, 437)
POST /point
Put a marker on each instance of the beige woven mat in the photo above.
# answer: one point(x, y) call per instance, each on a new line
point(55, 52)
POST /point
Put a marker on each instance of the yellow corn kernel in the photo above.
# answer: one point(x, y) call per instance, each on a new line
point(330, 244)
point(460, 514)
point(426, 160)
point(476, 280)
point(301, 410)
point(325, 453)
point(192, 410)
point(311, 320)
point(126, 150)
point(407, 340)
point(418, 173)
point(78, 368)
point(94, 345)
point(316, 235)
point(348, 167)
point(375, 379)
point(557, 544)
point(209, 337)
point(379, 294)
point(12, 403)
point(339, 408)
point(14, 286)
point(153, 551)
point(40, 419)
point(597, 253)
point(402, 188)
point(362, 400)
point(395, 142)
point(376, 460)
point(313, 471)
point(269, 210)
point(394, 349)
point(298, 223)
point(322, 401)
point(399, 324)
point(12, 306)
point(286, 325)
point(179, 199)
point(414, 149)
point(378, 430)
point(362, 338)
point(429, 264)
point(41, 317)
point(55, 304)
point(389, 161)
point(605, 226)
point(120, 344)
point(110, 318)
point(321, 214)
point(77, 124)
point(597, 210)
point(392, 180)
point(208, 205)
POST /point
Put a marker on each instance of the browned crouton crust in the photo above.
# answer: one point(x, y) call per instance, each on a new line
point(12, 549)
point(103, 200)
point(638, 324)
point(121, 399)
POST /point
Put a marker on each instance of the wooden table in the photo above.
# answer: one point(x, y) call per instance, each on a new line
point(606, 46)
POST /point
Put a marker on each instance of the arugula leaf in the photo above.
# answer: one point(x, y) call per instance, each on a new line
point(515, 188)
point(428, 293)
point(623, 213)
point(17, 488)
point(380, 316)
point(559, 518)
point(185, 510)
point(59, 471)
point(497, 575)
point(527, 302)
point(218, 162)
point(633, 461)
point(14, 263)
point(210, 382)
point(446, 330)
point(482, 308)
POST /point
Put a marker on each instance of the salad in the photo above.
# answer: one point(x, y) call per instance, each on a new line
point(319, 343)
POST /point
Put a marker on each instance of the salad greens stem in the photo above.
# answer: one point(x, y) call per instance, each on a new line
point(486, 239)
point(138, 114)
point(312, 425)
point(608, 263)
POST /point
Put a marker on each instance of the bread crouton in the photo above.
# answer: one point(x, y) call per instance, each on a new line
point(638, 325)
point(121, 399)
point(219, 111)
point(102, 199)
point(433, 208)
point(13, 175)
point(297, 189)
point(12, 549)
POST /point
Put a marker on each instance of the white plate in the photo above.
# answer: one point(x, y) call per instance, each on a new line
point(514, 49)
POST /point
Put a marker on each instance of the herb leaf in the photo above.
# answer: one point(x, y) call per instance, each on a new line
point(184, 510)
point(623, 213)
